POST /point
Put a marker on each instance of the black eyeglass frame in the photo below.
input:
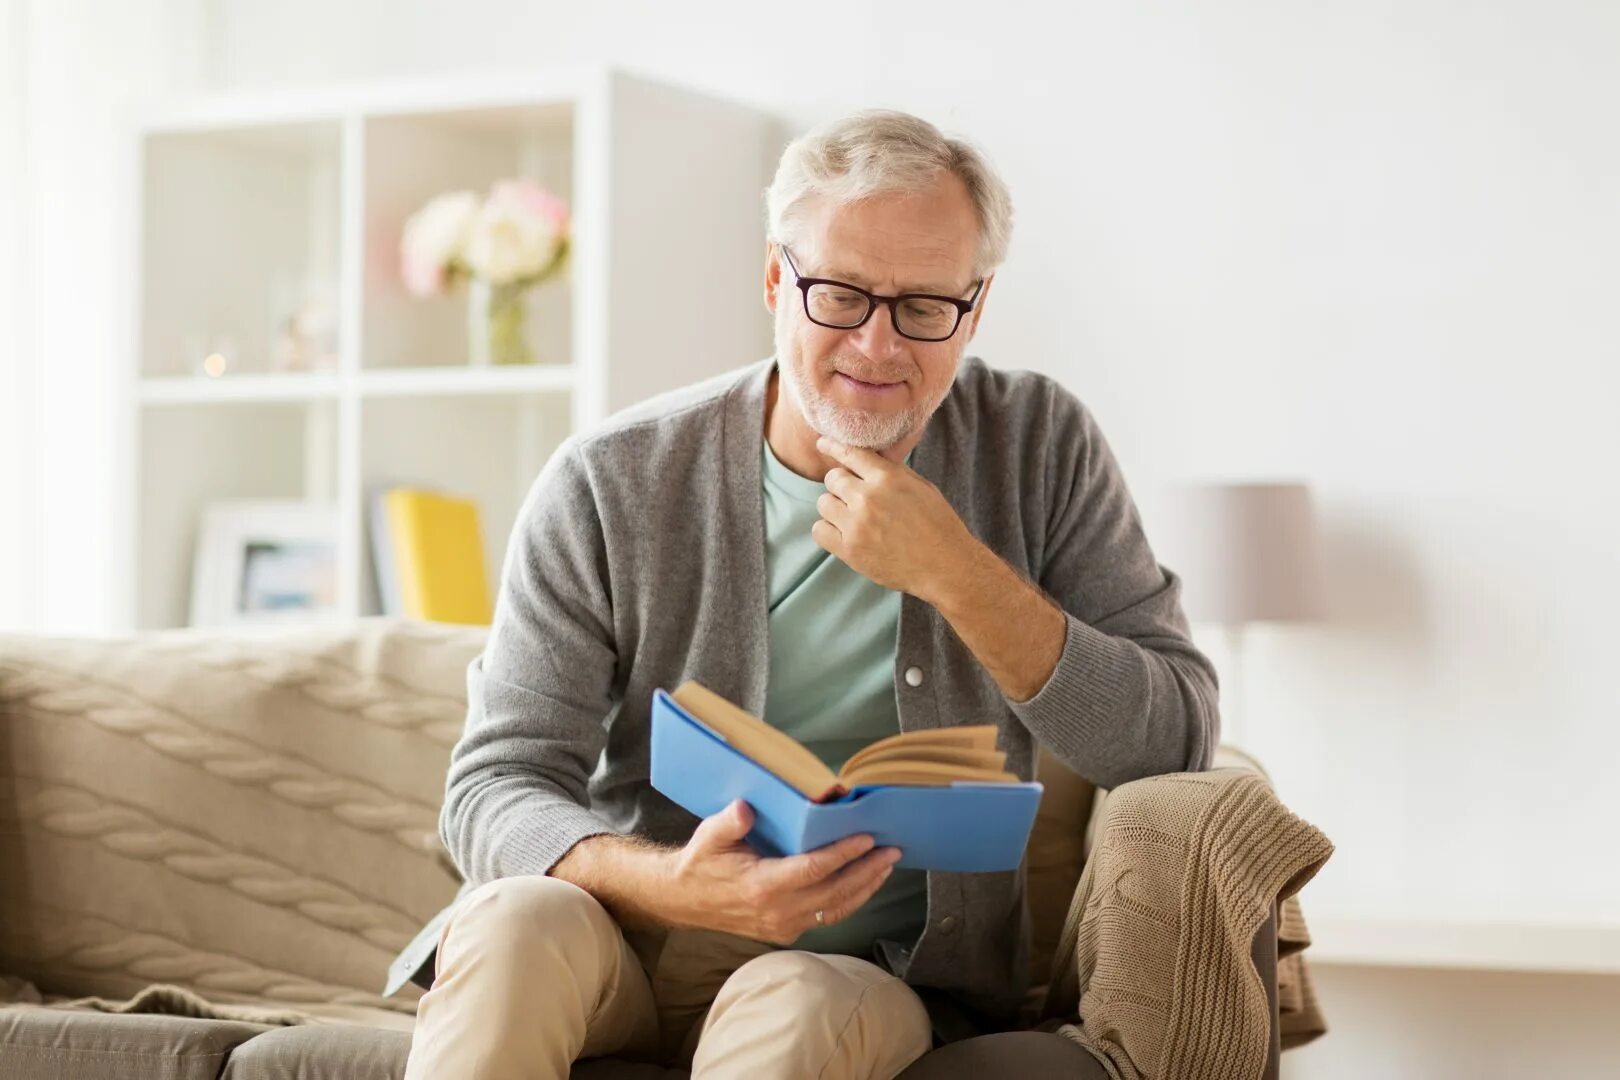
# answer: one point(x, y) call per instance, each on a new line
point(873, 300)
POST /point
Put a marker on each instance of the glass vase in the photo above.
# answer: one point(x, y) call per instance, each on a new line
point(495, 324)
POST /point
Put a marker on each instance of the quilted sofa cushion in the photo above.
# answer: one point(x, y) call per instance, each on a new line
point(248, 814)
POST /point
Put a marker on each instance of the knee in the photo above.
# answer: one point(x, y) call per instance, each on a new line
point(519, 914)
point(811, 971)
point(837, 1007)
point(521, 898)
point(824, 981)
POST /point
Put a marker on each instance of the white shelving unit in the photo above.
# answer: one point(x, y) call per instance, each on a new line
point(245, 203)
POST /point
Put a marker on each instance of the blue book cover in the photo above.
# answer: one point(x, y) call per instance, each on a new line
point(961, 826)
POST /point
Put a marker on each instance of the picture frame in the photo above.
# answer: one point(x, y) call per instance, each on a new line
point(264, 561)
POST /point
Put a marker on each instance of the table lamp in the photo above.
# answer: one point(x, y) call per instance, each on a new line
point(1246, 553)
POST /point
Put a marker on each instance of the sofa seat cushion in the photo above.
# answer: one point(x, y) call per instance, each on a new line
point(361, 1053)
point(39, 1042)
point(343, 1052)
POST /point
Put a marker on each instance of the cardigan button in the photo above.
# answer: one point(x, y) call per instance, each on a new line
point(913, 676)
point(948, 923)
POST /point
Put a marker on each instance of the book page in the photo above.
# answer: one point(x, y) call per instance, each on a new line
point(970, 737)
point(994, 760)
point(935, 756)
point(922, 772)
point(752, 737)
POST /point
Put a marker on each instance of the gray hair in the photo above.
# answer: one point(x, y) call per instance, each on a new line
point(882, 152)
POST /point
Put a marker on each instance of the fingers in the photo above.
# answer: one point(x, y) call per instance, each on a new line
point(833, 508)
point(793, 872)
point(843, 894)
point(857, 459)
point(841, 482)
point(726, 827)
point(826, 535)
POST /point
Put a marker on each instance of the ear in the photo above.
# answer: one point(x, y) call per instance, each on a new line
point(978, 307)
point(773, 276)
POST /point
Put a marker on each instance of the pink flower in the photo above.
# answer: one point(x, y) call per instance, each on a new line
point(422, 278)
point(518, 234)
point(533, 199)
point(433, 241)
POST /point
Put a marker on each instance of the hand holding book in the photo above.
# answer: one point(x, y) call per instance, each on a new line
point(717, 881)
point(943, 796)
point(730, 887)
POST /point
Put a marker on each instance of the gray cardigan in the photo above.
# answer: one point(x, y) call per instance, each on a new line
point(638, 561)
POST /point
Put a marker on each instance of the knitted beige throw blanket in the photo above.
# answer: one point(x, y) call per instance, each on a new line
point(174, 1000)
point(1156, 946)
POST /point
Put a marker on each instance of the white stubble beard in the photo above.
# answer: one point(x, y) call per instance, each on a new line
point(870, 429)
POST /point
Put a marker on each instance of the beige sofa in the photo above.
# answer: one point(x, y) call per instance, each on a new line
point(213, 843)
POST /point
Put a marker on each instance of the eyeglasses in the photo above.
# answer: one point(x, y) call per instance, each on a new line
point(919, 316)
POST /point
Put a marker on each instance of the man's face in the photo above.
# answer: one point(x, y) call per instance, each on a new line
point(871, 386)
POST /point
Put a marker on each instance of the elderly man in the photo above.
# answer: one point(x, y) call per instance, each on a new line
point(866, 532)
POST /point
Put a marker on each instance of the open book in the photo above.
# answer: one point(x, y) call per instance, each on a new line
point(943, 797)
point(931, 757)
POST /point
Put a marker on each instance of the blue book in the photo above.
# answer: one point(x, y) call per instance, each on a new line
point(957, 825)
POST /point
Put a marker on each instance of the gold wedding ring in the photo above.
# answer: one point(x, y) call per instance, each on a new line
point(821, 920)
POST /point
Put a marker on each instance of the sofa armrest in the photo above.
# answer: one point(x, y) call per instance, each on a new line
point(1044, 1052)
point(1264, 952)
point(1206, 852)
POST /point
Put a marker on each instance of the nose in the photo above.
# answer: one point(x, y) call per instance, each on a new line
point(877, 337)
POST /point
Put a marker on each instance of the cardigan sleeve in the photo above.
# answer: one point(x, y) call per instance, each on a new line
point(539, 695)
point(1131, 696)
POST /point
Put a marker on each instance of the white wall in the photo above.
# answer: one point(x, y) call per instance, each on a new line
point(1394, 1024)
point(17, 556)
point(77, 72)
point(1374, 245)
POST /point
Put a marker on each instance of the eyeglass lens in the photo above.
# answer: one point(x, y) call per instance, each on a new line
point(917, 317)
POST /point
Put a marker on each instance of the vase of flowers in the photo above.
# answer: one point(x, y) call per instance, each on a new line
point(502, 246)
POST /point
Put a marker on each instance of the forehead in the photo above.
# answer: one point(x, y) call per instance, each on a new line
point(906, 243)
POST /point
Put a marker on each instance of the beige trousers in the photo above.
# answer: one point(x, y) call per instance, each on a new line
point(533, 974)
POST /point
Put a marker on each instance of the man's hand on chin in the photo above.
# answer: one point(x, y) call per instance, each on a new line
point(889, 524)
point(892, 526)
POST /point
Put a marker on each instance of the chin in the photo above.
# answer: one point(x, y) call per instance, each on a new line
point(870, 431)
point(822, 403)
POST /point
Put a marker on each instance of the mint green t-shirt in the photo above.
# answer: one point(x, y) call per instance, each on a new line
point(832, 638)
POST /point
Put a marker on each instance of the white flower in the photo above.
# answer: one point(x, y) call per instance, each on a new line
point(435, 238)
point(512, 238)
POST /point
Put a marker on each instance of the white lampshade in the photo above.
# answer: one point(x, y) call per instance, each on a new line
point(1245, 552)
